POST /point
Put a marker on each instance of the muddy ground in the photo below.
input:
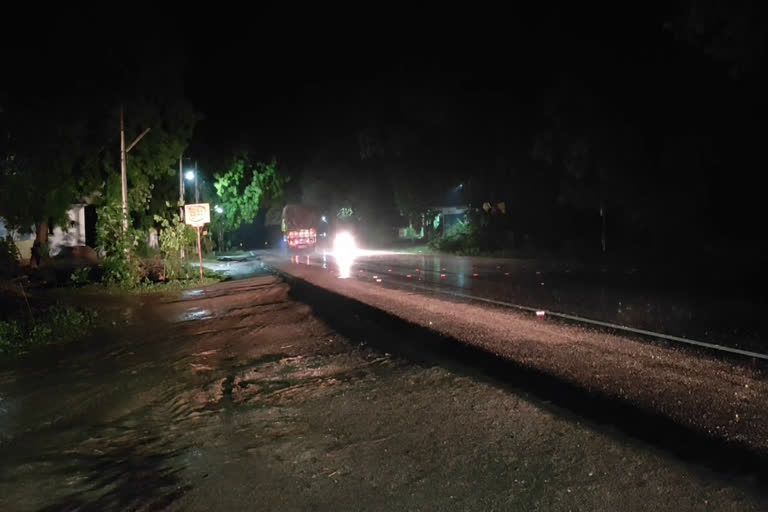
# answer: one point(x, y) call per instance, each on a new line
point(237, 397)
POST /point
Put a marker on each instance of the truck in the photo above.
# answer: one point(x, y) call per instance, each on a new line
point(300, 225)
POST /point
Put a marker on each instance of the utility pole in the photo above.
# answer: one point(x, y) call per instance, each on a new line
point(123, 171)
point(181, 186)
point(197, 190)
point(124, 166)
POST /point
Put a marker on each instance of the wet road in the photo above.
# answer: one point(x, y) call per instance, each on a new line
point(684, 304)
point(236, 397)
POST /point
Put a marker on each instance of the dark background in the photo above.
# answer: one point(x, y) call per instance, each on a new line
point(656, 114)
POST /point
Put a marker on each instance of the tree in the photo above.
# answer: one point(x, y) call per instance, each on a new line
point(44, 155)
point(245, 188)
point(61, 144)
point(153, 163)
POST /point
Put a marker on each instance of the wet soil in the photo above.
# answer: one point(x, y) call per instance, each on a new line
point(236, 396)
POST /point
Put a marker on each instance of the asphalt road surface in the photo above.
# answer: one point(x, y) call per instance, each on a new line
point(237, 397)
point(720, 305)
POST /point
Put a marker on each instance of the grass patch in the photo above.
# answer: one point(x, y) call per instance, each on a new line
point(44, 326)
point(147, 287)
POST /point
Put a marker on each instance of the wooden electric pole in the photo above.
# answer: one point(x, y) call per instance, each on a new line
point(124, 166)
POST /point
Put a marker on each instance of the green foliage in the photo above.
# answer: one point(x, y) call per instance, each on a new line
point(81, 276)
point(175, 238)
point(121, 263)
point(9, 258)
point(459, 237)
point(411, 233)
point(153, 164)
point(244, 188)
point(10, 334)
point(54, 153)
point(55, 324)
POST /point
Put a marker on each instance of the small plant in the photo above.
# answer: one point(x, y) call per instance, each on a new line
point(10, 333)
point(81, 276)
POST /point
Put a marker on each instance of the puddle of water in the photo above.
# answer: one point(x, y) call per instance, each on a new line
point(196, 314)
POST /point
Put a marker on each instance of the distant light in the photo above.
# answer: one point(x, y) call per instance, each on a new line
point(189, 175)
point(442, 275)
point(344, 250)
point(475, 275)
point(461, 185)
point(218, 209)
point(540, 313)
point(323, 219)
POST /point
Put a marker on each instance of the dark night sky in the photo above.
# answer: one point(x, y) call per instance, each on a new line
point(280, 85)
point(676, 91)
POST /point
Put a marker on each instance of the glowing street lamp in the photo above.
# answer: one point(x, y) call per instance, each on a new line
point(192, 175)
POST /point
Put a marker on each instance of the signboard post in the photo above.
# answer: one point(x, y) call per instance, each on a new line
point(198, 215)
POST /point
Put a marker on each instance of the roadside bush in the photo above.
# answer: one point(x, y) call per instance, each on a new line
point(54, 324)
point(411, 233)
point(176, 238)
point(121, 263)
point(459, 237)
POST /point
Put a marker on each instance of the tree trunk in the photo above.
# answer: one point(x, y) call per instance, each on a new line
point(41, 232)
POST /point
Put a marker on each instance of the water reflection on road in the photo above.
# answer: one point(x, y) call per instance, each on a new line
point(622, 296)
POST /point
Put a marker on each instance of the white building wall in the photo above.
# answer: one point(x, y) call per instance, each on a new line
point(75, 233)
point(73, 236)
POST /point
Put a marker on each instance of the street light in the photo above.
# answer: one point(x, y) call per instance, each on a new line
point(192, 175)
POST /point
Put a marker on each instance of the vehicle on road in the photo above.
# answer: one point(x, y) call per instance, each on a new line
point(301, 224)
